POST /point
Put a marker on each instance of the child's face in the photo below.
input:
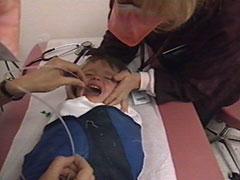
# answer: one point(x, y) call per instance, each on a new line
point(99, 79)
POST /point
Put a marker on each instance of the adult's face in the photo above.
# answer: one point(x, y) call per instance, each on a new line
point(130, 23)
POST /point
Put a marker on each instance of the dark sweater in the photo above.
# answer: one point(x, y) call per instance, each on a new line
point(207, 73)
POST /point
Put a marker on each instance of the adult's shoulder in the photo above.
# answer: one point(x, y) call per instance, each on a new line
point(214, 25)
point(218, 14)
point(227, 13)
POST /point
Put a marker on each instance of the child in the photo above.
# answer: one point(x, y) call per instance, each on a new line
point(109, 139)
point(99, 71)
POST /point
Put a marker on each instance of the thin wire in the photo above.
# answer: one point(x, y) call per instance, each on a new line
point(22, 176)
point(43, 58)
point(69, 44)
point(33, 62)
point(9, 70)
point(65, 53)
point(58, 115)
point(15, 64)
point(82, 57)
point(49, 106)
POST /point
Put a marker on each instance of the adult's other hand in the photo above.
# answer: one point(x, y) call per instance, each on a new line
point(127, 82)
point(74, 167)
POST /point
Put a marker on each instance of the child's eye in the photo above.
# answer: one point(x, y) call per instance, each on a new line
point(88, 74)
point(109, 78)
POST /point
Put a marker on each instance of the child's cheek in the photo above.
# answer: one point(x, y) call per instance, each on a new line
point(112, 86)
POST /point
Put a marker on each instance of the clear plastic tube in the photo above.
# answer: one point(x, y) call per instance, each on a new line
point(58, 115)
point(52, 109)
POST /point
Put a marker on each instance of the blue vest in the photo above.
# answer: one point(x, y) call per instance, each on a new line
point(107, 138)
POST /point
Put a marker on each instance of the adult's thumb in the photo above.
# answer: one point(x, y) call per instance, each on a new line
point(120, 76)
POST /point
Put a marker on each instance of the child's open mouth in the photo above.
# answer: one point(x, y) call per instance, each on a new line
point(93, 90)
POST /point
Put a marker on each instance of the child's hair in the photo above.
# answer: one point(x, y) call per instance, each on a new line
point(113, 62)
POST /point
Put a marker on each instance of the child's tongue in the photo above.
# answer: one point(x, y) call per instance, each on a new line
point(92, 91)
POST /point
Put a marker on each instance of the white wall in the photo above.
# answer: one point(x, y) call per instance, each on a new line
point(42, 20)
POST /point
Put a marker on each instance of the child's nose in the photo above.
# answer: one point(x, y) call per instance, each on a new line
point(96, 77)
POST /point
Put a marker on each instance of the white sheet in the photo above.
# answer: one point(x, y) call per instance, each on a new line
point(158, 164)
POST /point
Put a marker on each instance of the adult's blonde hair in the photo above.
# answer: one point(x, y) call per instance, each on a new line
point(174, 12)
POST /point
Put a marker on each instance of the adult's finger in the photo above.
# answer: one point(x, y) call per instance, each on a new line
point(124, 105)
point(117, 95)
point(85, 177)
point(114, 95)
point(64, 161)
point(60, 162)
point(70, 91)
point(81, 163)
point(110, 98)
point(116, 100)
point(68, 172)
point(76, 69)
point(72, 81)
point(68, 67)
point(73, 167)
point(85, 170)
point(120, 76)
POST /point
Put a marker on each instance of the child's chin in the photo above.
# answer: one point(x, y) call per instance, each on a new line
point(95, 99)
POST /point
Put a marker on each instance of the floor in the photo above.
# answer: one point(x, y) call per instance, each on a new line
point(223, 157)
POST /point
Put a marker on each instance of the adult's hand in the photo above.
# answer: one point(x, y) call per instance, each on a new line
point(127, 82)
point(52, 75)
point(74, 167)
point(85, 172)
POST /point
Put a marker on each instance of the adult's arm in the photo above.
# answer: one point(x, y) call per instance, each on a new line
point(47, 78)
point(211, 78)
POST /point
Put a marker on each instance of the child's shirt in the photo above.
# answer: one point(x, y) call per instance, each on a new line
point(79, 106)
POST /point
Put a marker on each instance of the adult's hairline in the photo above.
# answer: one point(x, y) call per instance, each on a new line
point(175, 13)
